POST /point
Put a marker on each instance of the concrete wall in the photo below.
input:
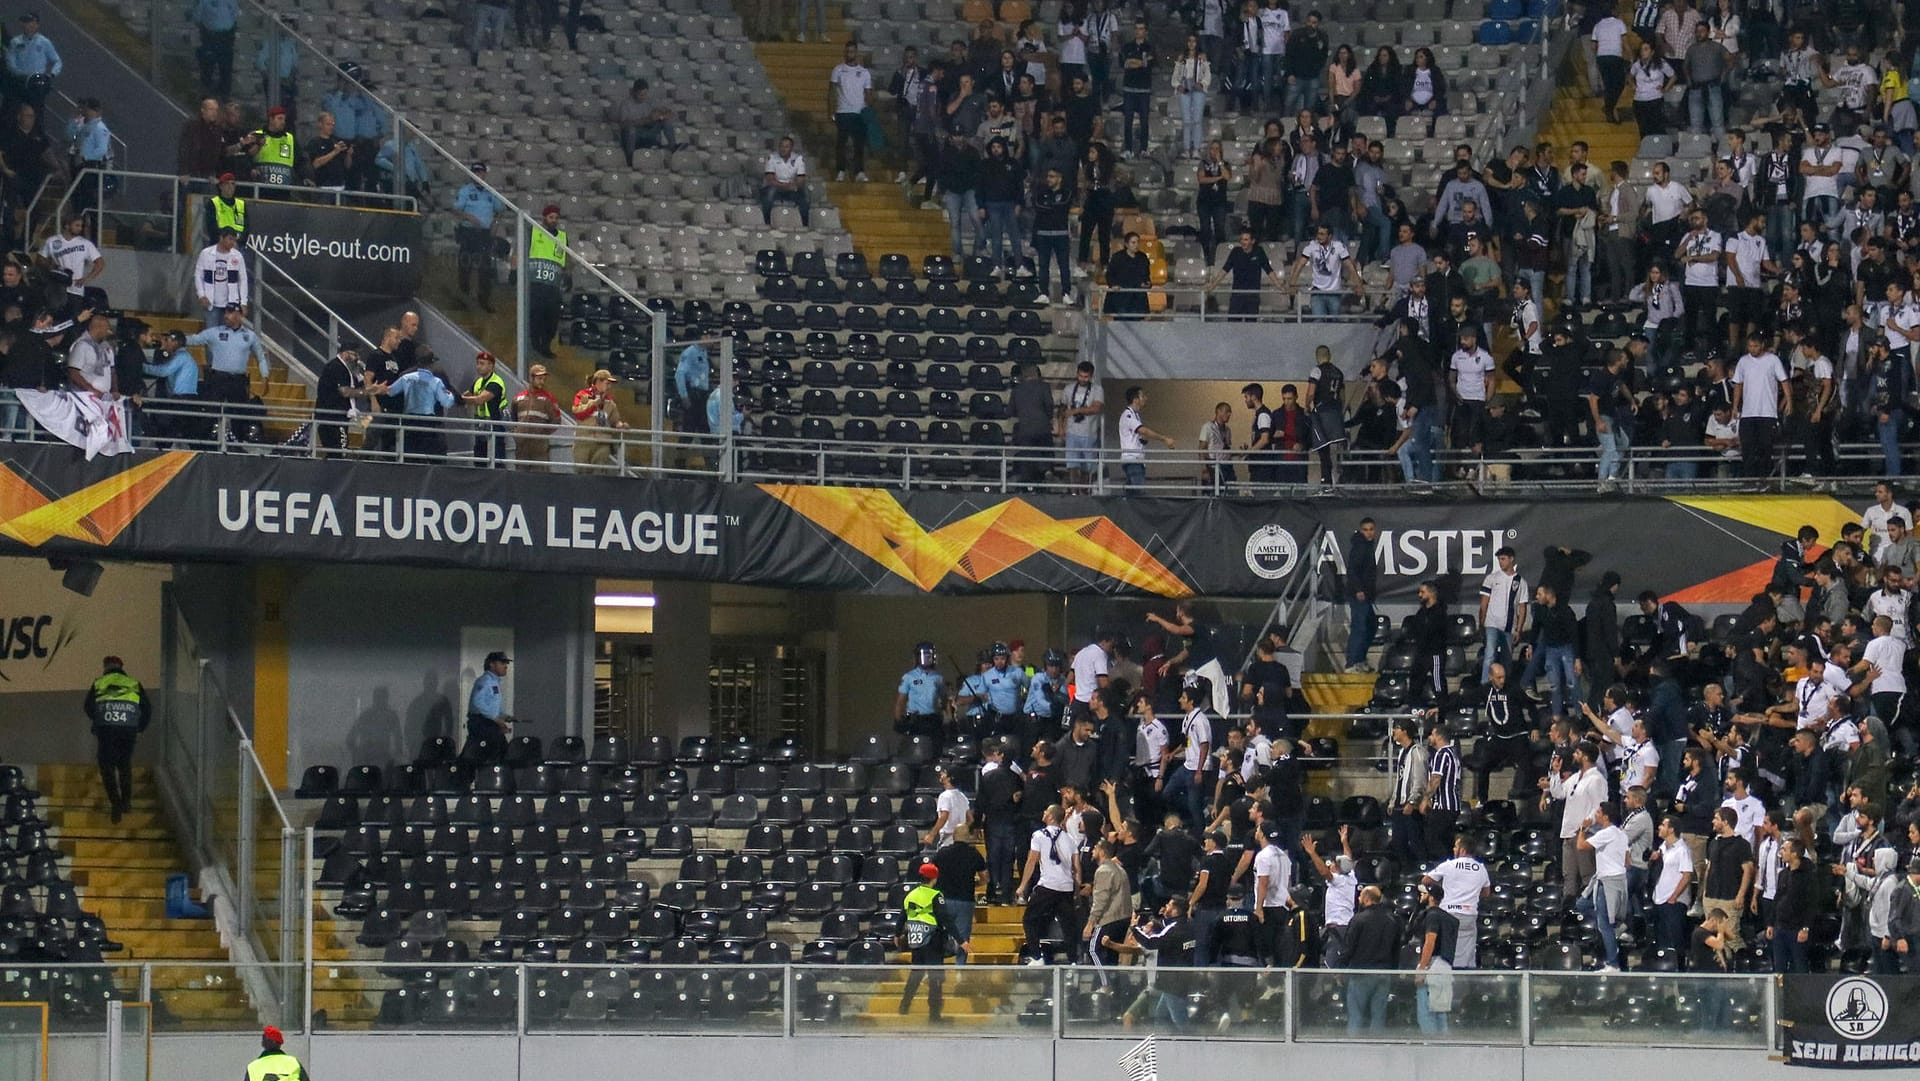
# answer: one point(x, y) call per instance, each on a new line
point(380, 659)
point(51, 643)
point(724, 1058)
point(875, 636)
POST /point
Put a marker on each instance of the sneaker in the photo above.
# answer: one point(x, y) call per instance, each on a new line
point(1066, 297)
point(1609, 968)
point(861, 177)
point(1043, 301)
point(840, 176)
point(1034, 962)
point(900, 178)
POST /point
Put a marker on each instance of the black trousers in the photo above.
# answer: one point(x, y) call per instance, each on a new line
point(114, 750)
point(1758, 435)
point(1045, 907)
point(1498, 753)
point(216, 61)
point(1702, 314)
point(1438, 826)
point(543, 316)
point(475, 259)
point(1613, 79)
point(926, 955)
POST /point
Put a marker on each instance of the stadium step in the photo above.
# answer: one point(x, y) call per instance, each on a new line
point(120, 870)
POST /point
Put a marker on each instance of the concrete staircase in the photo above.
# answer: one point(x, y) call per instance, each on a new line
point(878, 215)
point(973, 999)
point(121, 872)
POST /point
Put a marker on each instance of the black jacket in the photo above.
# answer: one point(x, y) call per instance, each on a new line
point(1427, 630)
point(1363, 575)
point(995, 795)
point(1373, 937)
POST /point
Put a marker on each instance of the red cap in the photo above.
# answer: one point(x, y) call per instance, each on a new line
point(226, 178)
point(272, 1035)
point(550, 208)
point(276, 111)
point(929, 872)
point(483, 355)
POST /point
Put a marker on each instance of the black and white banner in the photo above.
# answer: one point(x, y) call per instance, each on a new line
point(183, 506)
point(1852, 1022)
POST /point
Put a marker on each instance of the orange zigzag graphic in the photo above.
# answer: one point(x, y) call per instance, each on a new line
point(96, 514)
point(978, 546)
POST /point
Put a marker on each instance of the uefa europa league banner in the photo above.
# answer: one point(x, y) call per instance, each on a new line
point(182, 506)
point(1851, 1022)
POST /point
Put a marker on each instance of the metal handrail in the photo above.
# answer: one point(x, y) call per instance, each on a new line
point(756, 458)
point(304, 334)
point(180, 186)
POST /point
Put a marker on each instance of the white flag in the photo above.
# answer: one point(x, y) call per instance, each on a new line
point(1142, 1062)
point(85, 419)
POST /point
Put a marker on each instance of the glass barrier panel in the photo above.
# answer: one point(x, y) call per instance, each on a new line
point(214, 996)
point(1650, 1009)
point(416, 997)
point(893, 999)
point(136, 1042)
point(662, 999)
point(23, 1040)
point(1218, 1003)
point(76, 995)
point(1466, 1007)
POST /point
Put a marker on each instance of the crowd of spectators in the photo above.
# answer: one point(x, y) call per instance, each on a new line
point(1740, 798)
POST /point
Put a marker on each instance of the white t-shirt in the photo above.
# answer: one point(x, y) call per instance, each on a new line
point(73, 254)
point(1610, 37)
point(1077, 397)
point(1276, 24)
point(1057, 850)
point(1341, 890)
point(1894, 607)
point(1073, 50)
point(1609, 852)
point(1816, 185)
point(1751, 813)
point(1325, 261)
point(1649, 83)
point(1875, 518)
point(1527, 315)
point(1842, 736)
point(1693, 246)
point(1148, 741)
point(1471, 369)
point(1666, 201)
point(1272, 864)
point(1504, 593)
point(1888, 654)
point(850, 85)
point(786, 170)
point(1461, 879)
point(1815, 699)
point(1088, 666)
point(1676, 859)
point(1749, 251)
point(1855, 80)
point(94, 361)
point(1131, 448)
point(1199, 730)
point(955, 803)
point(1818, 368)
point(1759, 379)
point(1644, 757)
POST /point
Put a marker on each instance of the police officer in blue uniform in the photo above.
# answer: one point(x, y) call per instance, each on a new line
point(476, 206)
point(918, 705)
point(1046, 700)
point(229, 346)
point(998, 692)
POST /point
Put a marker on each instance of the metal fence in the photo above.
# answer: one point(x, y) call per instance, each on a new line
point(913, 462)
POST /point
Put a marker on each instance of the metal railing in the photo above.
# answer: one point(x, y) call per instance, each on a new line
point(1220, 304)
point(159, 205)
point(1490, 1007)
point(226, 810)
point(223, 427)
